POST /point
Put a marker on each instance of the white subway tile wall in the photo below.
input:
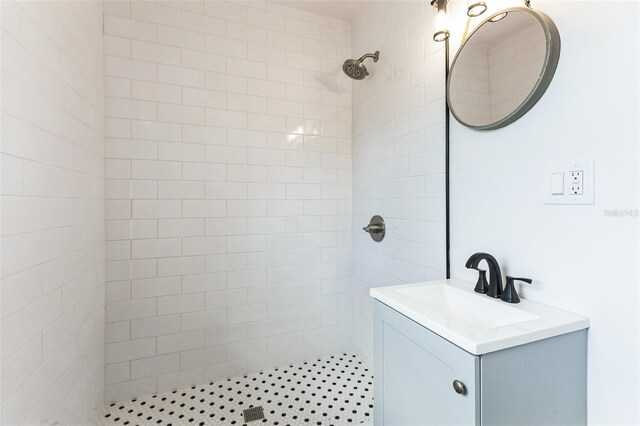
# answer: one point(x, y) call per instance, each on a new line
point(398, 154)
point(52, 237)
point(228, 191)
point(473, 99)
point(495, 81)
point(514, 69)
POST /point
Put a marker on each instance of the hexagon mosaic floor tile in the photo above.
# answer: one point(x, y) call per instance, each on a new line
point(336, 390)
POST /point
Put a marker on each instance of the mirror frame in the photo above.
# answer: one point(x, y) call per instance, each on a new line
point(552, 56)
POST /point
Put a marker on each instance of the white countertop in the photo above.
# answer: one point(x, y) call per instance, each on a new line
point(475, 322)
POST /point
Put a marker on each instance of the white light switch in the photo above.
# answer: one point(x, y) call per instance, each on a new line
point(571, 182)
point(557, 183)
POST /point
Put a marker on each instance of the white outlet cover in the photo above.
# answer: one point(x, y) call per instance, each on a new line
point(588, 183)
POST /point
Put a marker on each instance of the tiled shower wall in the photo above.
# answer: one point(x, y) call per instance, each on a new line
point(472, 98)
point(398, 152)
point(228, 191)
point(511, 77)
point(52, 226)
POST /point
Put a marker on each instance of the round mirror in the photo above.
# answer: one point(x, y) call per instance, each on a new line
point(503, 68)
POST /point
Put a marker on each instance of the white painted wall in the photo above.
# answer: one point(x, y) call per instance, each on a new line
point(52, 217)
point(580, 259)
point(228, 193)
point(398, 153)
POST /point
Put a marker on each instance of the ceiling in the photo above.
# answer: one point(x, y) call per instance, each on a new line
point(342, 9)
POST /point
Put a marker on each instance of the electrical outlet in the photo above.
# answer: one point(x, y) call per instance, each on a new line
point(576, 182)
point(570, 182)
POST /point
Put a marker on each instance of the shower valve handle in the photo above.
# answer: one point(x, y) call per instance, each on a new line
point(373, 229)
point(376, 228)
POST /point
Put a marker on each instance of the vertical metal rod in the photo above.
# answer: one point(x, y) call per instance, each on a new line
point(446, 160)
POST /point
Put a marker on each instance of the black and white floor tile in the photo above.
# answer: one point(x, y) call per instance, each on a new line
point(336, 390)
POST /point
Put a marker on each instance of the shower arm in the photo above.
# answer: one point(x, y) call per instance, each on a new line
point(375, 56)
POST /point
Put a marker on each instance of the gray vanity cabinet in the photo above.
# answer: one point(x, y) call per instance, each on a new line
point(540, 383)
point(414, 370)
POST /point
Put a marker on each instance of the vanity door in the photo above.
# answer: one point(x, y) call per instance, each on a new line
point(414, 374)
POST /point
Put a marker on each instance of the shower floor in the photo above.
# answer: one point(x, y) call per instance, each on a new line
point(336, 390)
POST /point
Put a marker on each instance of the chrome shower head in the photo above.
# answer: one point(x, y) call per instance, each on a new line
point(355, 69)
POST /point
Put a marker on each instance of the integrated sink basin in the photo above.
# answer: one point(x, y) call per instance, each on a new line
point(457, 305)
point(475, 322)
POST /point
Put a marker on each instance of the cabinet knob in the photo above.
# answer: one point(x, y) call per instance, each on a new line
point(459, 387)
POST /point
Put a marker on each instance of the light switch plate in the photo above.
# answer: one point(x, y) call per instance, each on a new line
point(578, 181)
point(557, 183)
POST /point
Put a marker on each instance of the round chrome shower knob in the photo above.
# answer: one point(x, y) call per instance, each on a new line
point(376, 228)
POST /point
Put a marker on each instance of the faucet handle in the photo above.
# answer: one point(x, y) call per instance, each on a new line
point(482, 286)
point(526, 280)
point(509, 294)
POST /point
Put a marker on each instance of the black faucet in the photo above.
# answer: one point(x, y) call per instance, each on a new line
point(495, 280)
point(510, 295)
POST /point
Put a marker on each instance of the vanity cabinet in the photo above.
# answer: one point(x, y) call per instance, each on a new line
point(538, 383)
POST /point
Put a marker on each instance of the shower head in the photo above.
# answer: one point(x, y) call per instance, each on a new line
point(355, 69)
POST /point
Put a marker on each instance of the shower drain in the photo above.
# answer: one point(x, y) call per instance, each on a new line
point(252, 414)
